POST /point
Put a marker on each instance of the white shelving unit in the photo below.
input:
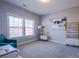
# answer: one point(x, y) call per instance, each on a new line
point(73, 33)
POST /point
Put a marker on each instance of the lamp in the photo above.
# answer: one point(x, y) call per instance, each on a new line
point(39, 27)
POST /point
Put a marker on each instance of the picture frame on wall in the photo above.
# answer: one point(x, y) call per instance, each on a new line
point(59, 23)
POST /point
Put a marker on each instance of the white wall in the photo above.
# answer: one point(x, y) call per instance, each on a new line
point(8, 8)
point(72, 15)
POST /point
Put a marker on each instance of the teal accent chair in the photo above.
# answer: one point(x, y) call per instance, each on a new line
point(5, 41)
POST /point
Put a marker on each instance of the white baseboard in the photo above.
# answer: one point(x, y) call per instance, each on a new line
point(26, 42)
point(58, 42)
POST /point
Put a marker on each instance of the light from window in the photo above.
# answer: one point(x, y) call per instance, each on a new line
point(20, 27)
point(29, 24)
point(15, 26)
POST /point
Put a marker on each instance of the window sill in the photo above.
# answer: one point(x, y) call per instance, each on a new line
point(23, 36)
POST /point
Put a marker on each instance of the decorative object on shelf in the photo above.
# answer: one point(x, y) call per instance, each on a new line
point(42, 35)
point(41, 29)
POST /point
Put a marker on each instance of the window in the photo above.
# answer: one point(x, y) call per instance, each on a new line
point(20, 27)
point(15, 26)
point(29, 27)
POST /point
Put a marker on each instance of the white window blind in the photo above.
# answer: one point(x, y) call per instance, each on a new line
point(15, 26)
point(20, 27)
point(29, 27)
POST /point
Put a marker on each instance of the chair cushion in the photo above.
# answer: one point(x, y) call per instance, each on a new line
point(1, 38)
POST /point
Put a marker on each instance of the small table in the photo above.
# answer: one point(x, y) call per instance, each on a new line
point(7, 51)
point(43, 37)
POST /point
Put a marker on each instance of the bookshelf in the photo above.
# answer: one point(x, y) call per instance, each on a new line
point(72, 33)
point(73, 30)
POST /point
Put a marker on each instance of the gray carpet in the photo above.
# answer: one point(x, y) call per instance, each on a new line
point(43, 49)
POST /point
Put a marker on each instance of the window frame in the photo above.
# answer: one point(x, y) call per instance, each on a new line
point(29, 27)
point(24, 18)
point(15, 27)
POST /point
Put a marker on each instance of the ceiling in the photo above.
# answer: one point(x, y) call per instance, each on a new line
point(40, 8)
